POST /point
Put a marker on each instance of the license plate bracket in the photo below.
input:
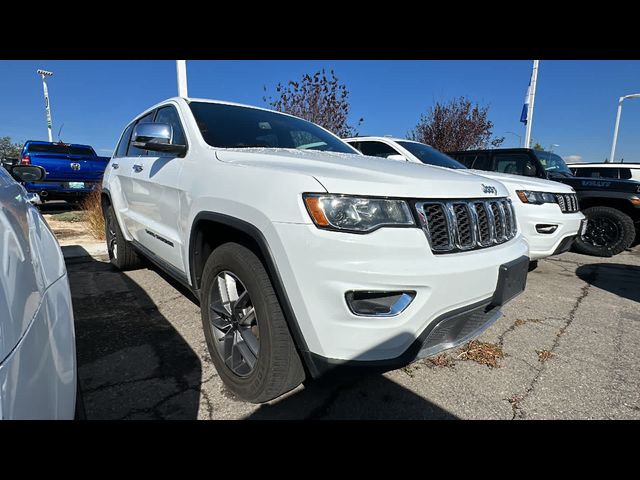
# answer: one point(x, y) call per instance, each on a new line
point(512, 279)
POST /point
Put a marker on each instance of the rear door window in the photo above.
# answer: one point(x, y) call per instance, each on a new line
point(121, 151)
point(513, 163)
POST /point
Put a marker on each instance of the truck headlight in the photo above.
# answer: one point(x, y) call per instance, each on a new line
point(536, 198)
point(357, 214)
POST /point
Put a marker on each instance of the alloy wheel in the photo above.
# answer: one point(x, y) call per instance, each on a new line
point(233, 322)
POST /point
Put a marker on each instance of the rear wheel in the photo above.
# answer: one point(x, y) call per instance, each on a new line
point(246, 332)
point(609, 232)
point(121, 253)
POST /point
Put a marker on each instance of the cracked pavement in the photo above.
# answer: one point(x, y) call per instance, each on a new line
point(142, 355)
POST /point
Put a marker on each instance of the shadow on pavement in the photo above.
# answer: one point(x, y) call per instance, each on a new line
point(372, 397)
point(132, 363)
point(621, 280)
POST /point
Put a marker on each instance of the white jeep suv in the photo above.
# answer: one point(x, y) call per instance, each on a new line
point(547, 212)
point(307, 257)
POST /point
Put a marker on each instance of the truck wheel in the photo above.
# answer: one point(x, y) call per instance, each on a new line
point(609, 232)
point(246, 332)
point(121, 253)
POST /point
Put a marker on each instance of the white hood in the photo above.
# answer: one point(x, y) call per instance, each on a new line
point(363, 175)
point(519, 182)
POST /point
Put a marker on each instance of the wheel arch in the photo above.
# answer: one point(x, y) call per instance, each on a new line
point(211, 229)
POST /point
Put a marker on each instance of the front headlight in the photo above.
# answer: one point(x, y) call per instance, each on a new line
point(356, 214)
point(536, 198)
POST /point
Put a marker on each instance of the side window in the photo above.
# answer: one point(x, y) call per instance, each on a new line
point(121, 151)
point(598, 172)
point(514, 163)
point(377, 149)
point(625, 173)
point(466, 160)
point(355, 145)
point(139, 152)
point(169, 115)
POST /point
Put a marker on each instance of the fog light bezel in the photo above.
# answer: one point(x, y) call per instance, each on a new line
point(546, 225)
point(406, 298)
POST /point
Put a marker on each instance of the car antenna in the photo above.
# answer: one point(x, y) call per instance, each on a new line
point(60, 130)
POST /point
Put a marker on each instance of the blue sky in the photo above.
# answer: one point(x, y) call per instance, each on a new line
point(575, 103)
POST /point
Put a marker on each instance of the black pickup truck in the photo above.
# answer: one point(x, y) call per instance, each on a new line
point(612, 207)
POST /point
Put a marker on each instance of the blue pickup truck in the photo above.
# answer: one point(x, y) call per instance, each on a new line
point(73, 170)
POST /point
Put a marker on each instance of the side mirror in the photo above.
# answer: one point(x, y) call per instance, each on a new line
point(27, 173)
point(156, 137)
point(400, 158)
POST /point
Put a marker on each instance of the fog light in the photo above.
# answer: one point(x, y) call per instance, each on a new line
point(543, 228)
point(378, 304)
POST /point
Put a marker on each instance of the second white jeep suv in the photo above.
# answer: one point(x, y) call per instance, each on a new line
point(305, 255)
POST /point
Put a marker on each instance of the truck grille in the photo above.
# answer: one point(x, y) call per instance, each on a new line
point(568, 202)
point(460, 225)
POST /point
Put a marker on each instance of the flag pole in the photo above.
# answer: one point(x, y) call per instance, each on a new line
point(181, 70)
point(534, 77)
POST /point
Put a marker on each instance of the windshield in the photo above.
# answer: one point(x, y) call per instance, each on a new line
point(233, 126)
point(553, 164)
point(60, 149)
point(430, 155)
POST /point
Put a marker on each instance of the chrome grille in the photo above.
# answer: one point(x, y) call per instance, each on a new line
point(459, 225)
point(568, 202)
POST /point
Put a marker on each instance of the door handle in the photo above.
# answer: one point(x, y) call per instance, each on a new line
point(137, 167)
point(115, 166)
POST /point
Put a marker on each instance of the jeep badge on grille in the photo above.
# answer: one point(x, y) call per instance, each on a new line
point(489, 189)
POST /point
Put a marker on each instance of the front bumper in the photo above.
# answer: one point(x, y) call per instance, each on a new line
point(317, 267)
point(543, 245)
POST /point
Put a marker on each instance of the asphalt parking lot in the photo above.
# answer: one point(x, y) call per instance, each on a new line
point(565, 349)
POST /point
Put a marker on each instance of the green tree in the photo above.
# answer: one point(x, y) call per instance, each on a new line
point(458, 124)
point(318, 98)
point(8, 149)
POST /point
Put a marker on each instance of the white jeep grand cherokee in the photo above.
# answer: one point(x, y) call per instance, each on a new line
point(307, 257)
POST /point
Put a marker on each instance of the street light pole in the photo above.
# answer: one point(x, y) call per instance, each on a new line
point(519, 137)
point(615, 129)
point(44, 74)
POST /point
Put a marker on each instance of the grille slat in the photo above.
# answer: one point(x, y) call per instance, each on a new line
point(568, 202)
point(458, 225)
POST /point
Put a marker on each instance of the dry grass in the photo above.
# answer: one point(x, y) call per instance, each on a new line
point(544, 355)
point(92, 205)
point(441, 360)
point(483, 353)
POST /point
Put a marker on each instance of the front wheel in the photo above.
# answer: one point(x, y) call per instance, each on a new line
point(609, 232)
point(246, 332)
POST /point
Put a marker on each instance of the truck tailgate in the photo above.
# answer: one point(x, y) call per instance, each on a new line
point(70, 168)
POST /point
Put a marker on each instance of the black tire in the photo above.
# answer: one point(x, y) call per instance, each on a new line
point(609, 232)
point(277, 368)
point(121, 253)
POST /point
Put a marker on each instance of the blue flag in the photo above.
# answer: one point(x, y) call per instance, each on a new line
point(524, 116)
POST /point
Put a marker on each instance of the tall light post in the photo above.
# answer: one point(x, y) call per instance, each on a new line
point(519, 137)
point(615, 130)
point(44, 74)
